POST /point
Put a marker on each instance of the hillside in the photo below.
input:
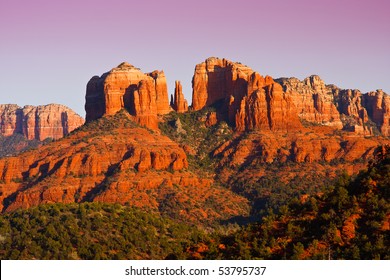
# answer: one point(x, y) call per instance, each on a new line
point(260, 167)
point(349, 220)
point(115, 160)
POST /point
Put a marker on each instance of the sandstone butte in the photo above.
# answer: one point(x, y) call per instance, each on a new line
point(38, 122)
point(250, 101)
point(144, 95)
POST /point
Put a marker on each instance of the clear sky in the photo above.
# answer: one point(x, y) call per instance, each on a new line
point(50, 49)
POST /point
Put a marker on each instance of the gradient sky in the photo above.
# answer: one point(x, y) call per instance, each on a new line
point(50, 49)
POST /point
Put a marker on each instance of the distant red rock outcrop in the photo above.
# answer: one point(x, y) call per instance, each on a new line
point(38, 122)
point(143, 95)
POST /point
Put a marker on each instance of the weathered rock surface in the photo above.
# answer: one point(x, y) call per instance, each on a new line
point(178, 102)
point(144, 95)
point(38, 122)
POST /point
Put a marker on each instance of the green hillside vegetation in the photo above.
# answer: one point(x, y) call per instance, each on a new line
point(93, 231)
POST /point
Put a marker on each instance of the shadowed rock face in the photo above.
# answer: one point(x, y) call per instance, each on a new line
point(38, 122)
point(144, 95)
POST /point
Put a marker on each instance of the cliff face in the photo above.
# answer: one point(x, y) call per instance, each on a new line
point(345, 109)
point(38, 122)
point(314, 101)
point(248, 100)
point(144, 95)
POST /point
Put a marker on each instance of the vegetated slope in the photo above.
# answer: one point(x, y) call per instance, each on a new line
point(93, 231)
point(115, 160)
point(347, 221)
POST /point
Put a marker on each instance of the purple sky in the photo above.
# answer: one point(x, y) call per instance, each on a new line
point(50, 49)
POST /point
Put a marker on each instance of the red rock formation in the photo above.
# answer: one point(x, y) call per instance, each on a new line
point(211, 119)
point(178, 102)
point(217, 79)
point(144, 95)
point(38, 122)
point(251, 101)
point(347, 109)
point(314, 101)
point(11, 119)
point(353, 115)
point(162, 100)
